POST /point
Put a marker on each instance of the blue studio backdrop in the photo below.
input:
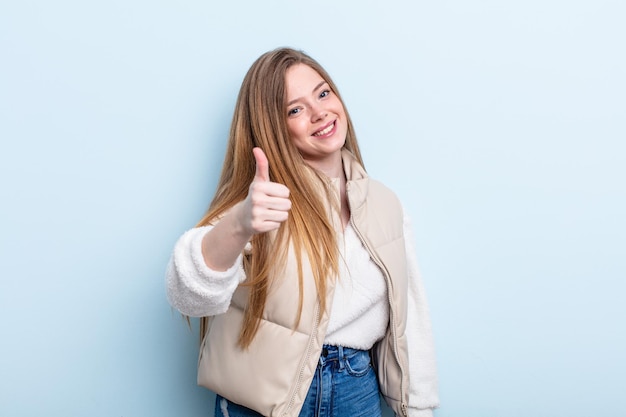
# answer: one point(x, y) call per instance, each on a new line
point(501, 125)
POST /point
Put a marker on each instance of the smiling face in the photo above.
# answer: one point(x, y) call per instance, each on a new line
point(316, 119)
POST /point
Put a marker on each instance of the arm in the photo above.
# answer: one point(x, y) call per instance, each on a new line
point(193, 288)
point(206, 266)
point(423, 395)
point(265, 208)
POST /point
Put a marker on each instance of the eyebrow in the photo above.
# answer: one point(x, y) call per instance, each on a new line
point(314, 90)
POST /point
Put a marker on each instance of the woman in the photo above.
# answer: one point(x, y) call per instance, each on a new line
point(302, 269)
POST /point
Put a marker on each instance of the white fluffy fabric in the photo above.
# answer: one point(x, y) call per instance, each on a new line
point(360, 310)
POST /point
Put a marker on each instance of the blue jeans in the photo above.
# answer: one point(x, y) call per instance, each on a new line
point(344, 385)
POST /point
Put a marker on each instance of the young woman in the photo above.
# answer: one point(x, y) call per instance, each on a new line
point(303, 269)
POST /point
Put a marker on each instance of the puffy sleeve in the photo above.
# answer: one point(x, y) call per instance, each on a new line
point(423, 391)
point(194, 289)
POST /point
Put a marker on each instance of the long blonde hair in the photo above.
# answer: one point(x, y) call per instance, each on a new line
point(260, 119)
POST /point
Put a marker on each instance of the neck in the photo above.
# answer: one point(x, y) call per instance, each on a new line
point(332, 166)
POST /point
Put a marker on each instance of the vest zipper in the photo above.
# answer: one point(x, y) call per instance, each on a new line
point(392, 313)
point(306, 359)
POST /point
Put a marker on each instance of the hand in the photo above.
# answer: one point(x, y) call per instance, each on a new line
point(267, 204)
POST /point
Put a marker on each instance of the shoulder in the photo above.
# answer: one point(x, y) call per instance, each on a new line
point(384, 211)
point(381, 195)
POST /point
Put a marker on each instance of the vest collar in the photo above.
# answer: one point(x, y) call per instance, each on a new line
point(357, 179)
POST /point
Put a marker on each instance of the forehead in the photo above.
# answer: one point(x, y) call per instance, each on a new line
point(301, 79)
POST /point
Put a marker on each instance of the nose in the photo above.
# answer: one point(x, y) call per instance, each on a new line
point(318, 112)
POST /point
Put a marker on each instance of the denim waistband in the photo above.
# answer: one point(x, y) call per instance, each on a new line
point(332, 353)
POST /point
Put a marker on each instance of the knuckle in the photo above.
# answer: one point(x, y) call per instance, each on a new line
point(257, 225)
point(256, 212)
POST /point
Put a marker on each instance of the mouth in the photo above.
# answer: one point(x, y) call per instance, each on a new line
point(326, 130)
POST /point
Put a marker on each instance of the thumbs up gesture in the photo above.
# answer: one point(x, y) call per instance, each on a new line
point(267, 204)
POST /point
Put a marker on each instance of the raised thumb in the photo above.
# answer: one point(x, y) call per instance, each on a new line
point(262, 165)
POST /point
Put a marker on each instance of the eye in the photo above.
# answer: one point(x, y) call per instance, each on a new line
point(293, 111)
point(324, 93)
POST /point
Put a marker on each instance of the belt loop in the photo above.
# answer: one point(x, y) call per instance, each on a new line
point(341, 358)
point(323, 356)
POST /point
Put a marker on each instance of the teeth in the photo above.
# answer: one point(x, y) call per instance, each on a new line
point(325, 131)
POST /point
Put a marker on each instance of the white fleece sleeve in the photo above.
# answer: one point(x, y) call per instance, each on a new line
point(193, 288)
point(423, 391)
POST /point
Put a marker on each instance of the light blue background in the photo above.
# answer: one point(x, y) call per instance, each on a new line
point(501, 124)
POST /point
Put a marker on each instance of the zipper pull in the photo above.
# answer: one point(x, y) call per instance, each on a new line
point(405, 410)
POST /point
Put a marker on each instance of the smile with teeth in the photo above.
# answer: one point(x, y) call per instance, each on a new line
point(325, 131)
